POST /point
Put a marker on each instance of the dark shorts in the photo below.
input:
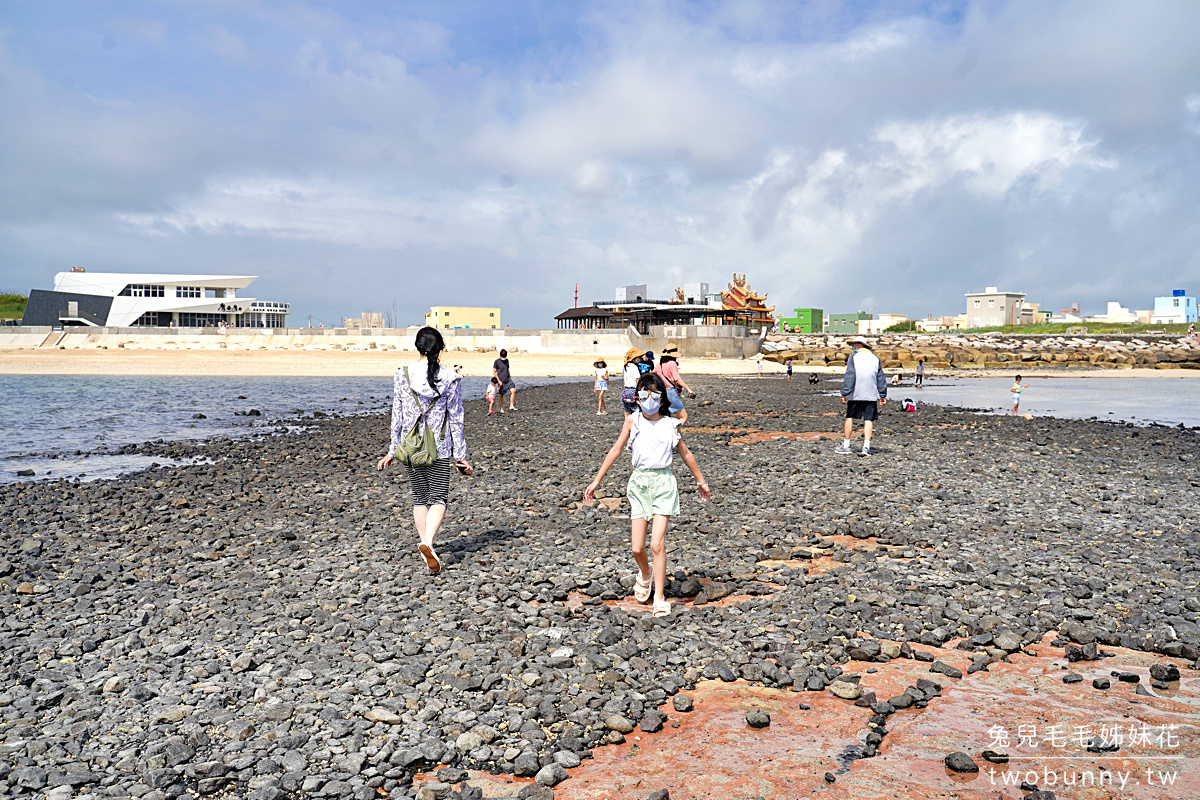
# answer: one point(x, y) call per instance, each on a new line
point(507, 386)
point(629, 400)
point(862, 409)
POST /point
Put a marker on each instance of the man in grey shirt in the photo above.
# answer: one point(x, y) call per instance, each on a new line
point(864, 390)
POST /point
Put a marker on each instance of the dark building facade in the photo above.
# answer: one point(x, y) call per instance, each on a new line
point(55, 308)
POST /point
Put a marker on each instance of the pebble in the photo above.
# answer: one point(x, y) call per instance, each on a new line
point(847, 691)
point(551, 775)
point(618, 723)
point(757, 718)
point(961, 762)
point(274, 589)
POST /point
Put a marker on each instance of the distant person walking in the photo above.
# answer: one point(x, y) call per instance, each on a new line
point(789, 370)
point(601, 386)
point(920, 379)
point(629, 378)
point(500, 372)
point(668, 370)
point(1016, 390)
point(760, 372)
point(428, 396)
point(864, 391)
point(653, 437)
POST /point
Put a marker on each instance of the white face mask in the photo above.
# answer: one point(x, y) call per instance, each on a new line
point(650, 402)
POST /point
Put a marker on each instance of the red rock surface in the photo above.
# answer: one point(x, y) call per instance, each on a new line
point(714, 754)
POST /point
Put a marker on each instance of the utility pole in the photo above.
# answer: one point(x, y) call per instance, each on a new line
point(310, 320)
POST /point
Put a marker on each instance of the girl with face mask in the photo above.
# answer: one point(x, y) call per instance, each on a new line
point(653, 436)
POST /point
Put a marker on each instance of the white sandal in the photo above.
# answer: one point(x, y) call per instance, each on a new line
point(431, 558)
point(641, 589)
point(662, 608)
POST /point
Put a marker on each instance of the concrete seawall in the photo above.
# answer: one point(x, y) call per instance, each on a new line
point(693, 341)
point(607, 342)
point(1006, 352)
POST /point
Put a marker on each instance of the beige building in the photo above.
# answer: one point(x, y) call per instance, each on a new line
point(369, 319)
point(874, 327)
point(992, 307)
point(463, 317)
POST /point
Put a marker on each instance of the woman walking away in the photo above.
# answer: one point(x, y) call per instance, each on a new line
point(668, 370)
point(920, 380)
point(601, 386)
point(629, 378)
point(501, 373)
point(653, 436)
point(427, 411)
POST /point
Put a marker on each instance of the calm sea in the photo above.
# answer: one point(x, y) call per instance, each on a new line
point(66, 426)
point(1143, 401)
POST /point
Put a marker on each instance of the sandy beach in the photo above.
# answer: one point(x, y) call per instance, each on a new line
point(36, 361)
point(319, 363)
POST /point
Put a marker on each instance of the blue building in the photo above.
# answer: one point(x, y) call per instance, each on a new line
point(1178, 308)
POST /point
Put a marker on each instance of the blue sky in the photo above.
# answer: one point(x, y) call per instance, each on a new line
point(392, 156)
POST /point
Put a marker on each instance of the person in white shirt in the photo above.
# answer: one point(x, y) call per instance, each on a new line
point(601, 385)
point(864, 391)
point(653, 436)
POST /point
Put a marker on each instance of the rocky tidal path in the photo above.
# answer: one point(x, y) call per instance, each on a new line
point(262, 626)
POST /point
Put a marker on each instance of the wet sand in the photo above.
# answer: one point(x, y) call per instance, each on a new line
point(37, 361)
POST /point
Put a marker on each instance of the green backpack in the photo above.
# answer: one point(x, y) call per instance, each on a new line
point(417, 447)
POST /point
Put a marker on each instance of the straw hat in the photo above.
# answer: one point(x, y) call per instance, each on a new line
point(671, 350)
point(859, 340)
point(632, 354)
point(599, 364)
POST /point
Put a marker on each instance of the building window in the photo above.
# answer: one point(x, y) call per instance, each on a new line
point(189, 291)
point(143, 290)
point(446, 313)
point(1177, 302)
point(977, 304)
point(491, 313)
point(187, 320)
point(991, 303)
point(153, 319)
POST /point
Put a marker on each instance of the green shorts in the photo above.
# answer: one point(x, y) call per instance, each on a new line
point(652, 491)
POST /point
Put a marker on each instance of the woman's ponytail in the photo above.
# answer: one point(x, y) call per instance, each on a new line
point(430, 344)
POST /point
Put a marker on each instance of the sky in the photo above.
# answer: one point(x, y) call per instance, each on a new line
point(392, 156)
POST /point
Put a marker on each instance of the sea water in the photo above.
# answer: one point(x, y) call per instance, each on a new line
point(65, 426)
point(1142, 401)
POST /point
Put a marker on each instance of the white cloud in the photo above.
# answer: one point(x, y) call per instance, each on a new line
point(989, 154)
point(631, 110)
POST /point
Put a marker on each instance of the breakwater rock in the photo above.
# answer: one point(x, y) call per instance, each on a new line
point(262, 625)
point(994, 351)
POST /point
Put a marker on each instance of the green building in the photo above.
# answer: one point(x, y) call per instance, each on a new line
point(845, 323)
point(807, 320)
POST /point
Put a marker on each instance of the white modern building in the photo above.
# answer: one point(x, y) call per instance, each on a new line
point(117, 299)
point(1115, 313)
